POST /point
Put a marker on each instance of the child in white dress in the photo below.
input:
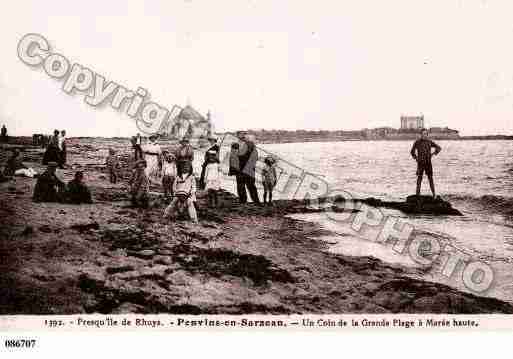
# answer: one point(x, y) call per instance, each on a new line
point(212, 178)
point(152, 153)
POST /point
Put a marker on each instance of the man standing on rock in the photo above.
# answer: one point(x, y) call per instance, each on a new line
point(421, 152)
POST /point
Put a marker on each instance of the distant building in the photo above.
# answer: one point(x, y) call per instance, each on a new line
point(412, 122)
point(410, 129)
point(188, 123)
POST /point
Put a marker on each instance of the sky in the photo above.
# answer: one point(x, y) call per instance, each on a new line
point(268, 64)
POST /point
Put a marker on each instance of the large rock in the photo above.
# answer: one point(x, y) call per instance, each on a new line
point(417, 205)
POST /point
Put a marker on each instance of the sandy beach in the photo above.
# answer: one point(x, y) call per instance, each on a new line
point(107, 257)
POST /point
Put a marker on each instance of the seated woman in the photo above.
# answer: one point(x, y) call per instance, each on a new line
point(184, 190)
point(77, 192)
point(49, 188)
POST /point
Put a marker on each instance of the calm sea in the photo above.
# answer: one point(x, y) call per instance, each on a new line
point(475, 176)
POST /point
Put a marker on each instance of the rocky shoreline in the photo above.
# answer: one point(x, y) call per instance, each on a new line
point(110, 258)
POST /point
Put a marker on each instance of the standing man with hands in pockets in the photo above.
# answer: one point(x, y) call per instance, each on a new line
point(421, 152)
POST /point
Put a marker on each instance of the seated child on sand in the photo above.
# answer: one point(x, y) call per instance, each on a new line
point(184, 190)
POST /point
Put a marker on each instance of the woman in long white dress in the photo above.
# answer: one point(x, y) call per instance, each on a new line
point(152, 155)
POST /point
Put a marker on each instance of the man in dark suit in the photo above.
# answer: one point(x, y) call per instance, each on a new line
point(248, 156)
point(421, 152)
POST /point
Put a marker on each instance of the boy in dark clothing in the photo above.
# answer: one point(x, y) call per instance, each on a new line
point(421, 152)
point(77, 192)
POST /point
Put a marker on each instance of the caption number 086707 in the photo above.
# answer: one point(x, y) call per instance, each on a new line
point(20, 343)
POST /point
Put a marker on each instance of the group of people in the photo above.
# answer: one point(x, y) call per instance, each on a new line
point(174, 171)
point(49, 188)
point(56, 149)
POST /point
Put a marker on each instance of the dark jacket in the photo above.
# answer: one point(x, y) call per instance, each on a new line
point(248, 157)
point(421, 150)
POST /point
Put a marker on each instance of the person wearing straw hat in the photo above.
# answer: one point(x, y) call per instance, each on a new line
point(48, 188)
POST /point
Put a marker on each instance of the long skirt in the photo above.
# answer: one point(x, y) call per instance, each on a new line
point(52, 154)
point(152, 168)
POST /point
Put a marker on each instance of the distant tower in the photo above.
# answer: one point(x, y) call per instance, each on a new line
point(412, 122)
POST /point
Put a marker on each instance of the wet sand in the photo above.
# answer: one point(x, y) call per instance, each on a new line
point(110, 258)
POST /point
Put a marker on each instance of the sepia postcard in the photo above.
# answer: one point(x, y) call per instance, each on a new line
point(254, 165)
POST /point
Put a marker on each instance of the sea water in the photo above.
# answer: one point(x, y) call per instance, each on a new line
point(475, 176)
